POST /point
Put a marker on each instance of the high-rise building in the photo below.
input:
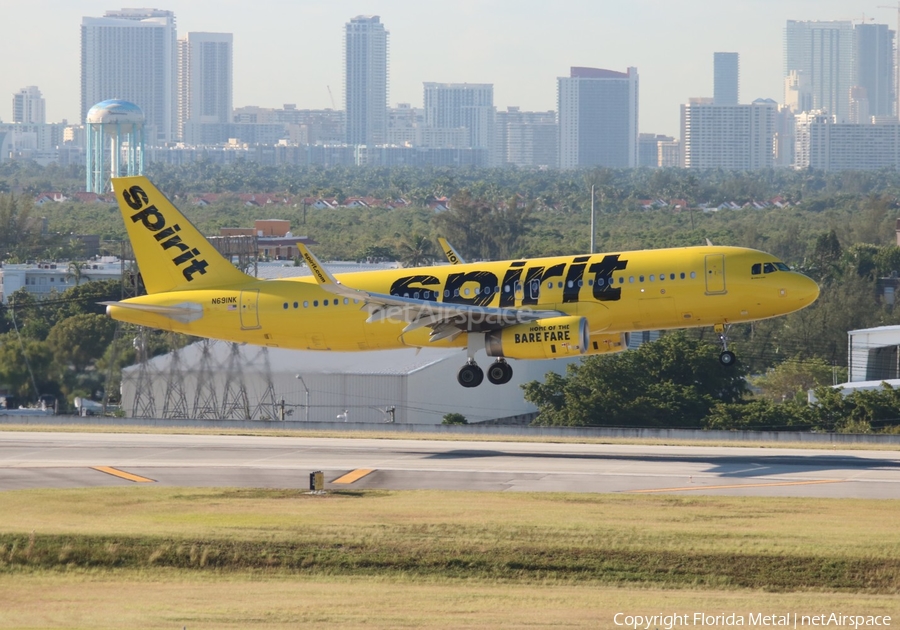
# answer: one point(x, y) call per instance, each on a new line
point(731, 137)
point(598, 118)
point(873, 61)
point(526, 139)
point(823, 144)
point(725, 78)
point(205, 79)
point(467, 105)
point(648, 148)
point(132, 55)
point(823, 51)
point(365, 80)
point(28, 106)
point(797, 92)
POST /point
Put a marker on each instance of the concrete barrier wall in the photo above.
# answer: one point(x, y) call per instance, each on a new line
point(462, 430)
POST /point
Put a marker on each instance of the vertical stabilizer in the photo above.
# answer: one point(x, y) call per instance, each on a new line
point(171, 253)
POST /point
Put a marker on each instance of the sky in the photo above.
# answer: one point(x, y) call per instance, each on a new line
point(290, 51)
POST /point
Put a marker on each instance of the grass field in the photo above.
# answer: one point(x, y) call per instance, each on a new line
point(210, 558)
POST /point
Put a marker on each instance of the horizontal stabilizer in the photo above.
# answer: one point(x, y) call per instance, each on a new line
point(185, 312)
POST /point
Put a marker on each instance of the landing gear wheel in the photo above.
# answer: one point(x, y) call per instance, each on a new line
point(499, 373)
point(470, 375)
point(727, 358)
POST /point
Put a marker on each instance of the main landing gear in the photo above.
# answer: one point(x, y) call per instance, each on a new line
point(727, 357)
point(470, 375)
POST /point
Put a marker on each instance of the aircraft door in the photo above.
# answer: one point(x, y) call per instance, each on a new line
point(250, 309)
point(715, 274)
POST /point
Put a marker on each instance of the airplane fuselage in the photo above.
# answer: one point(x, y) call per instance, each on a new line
point(616, 293)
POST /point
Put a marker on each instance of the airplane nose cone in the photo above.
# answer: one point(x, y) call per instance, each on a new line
point(807, 291)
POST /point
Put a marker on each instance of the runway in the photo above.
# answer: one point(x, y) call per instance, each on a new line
point(71, 460)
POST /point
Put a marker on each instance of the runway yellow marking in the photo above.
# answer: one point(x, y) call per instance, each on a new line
point(742, 485)
point(353, 475)
point(115, 472)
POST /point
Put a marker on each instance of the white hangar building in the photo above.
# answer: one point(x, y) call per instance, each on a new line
point(214, 379)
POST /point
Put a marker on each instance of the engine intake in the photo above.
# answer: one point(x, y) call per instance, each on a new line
point(548, 338)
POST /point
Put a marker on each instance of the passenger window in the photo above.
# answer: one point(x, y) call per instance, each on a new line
point(346, 300)
point(756, 269)
point(305, 303)
point(285, 305)
point(315, 302)
point(641, 278)
point(682, 275)
point(600, 282)
point(662, 277)
point(631, 279)
point(621, 279)
point(693, 274)
point(296, 305)
point(580, 283)
point(671, 276)
point(768, 268)
point(651, 277)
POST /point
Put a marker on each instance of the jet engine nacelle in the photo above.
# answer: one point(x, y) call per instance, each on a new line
point(608, 343)
point(547, 338)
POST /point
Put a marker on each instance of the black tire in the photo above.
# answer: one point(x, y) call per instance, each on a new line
point(499, 373)
point(727, 358)
point(470, 375)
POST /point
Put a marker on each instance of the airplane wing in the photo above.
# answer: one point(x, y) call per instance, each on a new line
point(446, 320)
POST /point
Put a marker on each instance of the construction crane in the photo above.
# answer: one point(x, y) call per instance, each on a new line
point(331, 96)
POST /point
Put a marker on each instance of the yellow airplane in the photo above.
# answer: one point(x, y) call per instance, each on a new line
point(538, 308)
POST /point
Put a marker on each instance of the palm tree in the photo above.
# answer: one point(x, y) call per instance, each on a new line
point(415, 250)
point(76, 270)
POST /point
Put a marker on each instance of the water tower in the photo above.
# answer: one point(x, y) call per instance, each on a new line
point(115, 143)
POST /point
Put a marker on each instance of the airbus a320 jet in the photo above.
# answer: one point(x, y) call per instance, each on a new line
point(539, 308)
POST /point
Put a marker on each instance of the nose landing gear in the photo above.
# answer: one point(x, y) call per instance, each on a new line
point(727, 357)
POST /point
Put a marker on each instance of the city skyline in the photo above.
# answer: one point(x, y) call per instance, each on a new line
point(292, 53)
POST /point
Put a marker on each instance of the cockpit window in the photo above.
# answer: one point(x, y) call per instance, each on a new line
point(756, 269)
point(768, 268)
point(782, 267)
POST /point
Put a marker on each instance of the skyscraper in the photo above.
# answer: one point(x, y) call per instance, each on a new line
point(365, 80)
point(468, 105)
point(598, 118)
point(205, 79)
point(725, 78)
point(823, 52)
point(131, 54)
point(873, 61)
point(733, 137)
point(28, 106)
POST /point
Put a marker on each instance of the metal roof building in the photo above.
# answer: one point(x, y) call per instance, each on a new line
point(212, 380)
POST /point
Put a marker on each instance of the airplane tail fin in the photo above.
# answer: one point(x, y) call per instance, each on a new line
point(170, 252)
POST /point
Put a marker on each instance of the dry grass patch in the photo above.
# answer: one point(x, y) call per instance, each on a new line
point(709, 542)
point(176, 599)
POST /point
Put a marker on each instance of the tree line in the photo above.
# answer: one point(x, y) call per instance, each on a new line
point(839, 229)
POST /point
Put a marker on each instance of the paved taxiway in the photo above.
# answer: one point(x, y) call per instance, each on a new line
point(66, 460)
